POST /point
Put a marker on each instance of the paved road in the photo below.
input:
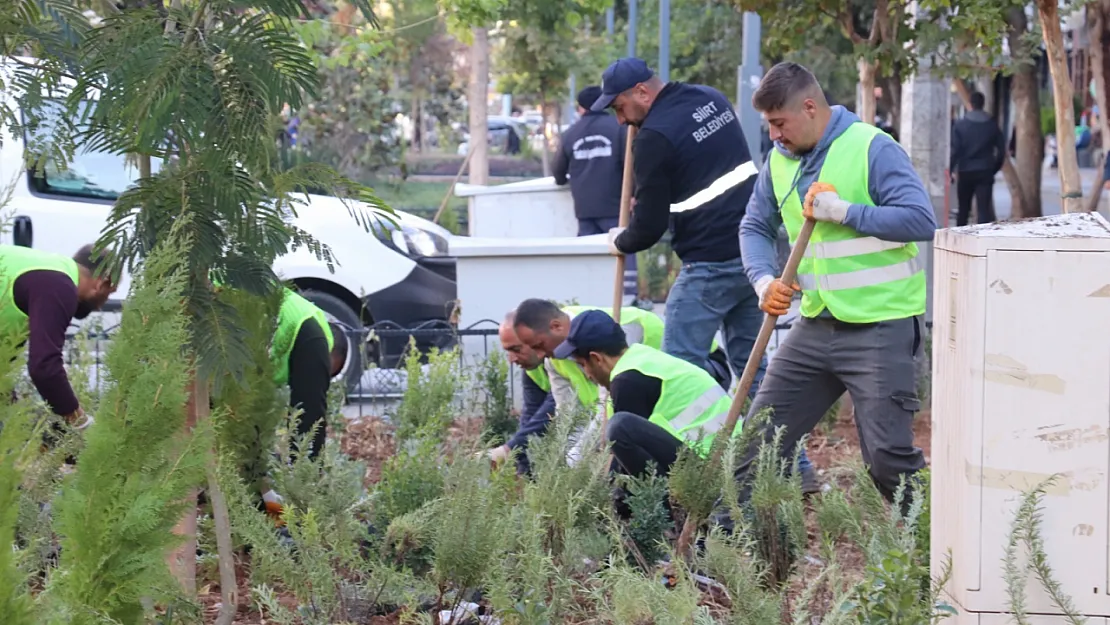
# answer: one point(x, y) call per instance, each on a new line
point(1050, 194)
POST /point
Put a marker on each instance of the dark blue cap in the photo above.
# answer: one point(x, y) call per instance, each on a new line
point(590, 331)
point(619, 77)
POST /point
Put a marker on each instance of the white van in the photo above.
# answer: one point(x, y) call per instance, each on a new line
point(399, 274)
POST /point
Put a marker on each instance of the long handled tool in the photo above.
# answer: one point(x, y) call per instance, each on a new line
point(789, 273)
point(618, 279)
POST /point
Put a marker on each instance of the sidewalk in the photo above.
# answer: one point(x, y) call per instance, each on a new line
point(1050, 194)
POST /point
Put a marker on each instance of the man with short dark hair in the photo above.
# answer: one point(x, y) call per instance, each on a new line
point(660, 402)
point(692, 171)
point(539, 403)
point(42, 293)
point(591, 155)
point(862, 278)
point(978, 151)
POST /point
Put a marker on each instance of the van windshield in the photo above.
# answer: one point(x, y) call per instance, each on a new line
point(92, 174)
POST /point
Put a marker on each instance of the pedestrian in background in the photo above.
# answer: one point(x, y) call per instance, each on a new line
point(591, 155)
point(978, 151)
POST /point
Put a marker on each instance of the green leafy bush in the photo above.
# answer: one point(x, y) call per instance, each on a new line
point(428, 406)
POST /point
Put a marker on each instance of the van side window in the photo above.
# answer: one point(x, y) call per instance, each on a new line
point(92, 174)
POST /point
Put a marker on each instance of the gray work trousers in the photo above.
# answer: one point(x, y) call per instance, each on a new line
point(820, 359)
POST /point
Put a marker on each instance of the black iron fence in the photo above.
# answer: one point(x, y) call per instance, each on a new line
point(377, 374)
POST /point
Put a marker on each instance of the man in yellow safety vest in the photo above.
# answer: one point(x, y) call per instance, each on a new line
point(42, 293)
point(659, 402)
point(862, 279)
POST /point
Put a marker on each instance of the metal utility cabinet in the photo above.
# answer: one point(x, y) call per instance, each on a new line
point(1021, 391)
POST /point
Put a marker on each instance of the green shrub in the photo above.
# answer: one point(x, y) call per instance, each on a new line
point(493, 382)
point(428, 406)
point(115, 513)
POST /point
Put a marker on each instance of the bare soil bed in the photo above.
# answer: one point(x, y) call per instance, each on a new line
point(831, 449)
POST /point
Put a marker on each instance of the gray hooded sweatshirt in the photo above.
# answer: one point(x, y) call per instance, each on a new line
point(903, 213)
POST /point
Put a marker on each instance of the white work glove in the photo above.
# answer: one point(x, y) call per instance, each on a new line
point(88, 420)
point(827, 206)
point(613, 234)
point(761, 285)
point(497, 455)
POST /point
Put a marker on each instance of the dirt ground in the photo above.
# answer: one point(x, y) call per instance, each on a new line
point(370, 440)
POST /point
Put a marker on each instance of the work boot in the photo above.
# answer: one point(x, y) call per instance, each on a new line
point(810, 483)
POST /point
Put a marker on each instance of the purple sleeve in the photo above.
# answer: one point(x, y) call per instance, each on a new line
point(49, 298)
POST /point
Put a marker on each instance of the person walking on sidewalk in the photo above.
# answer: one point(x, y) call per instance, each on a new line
point(978, 151)
point(591, 156)
point(692, 170)
point(862, 279)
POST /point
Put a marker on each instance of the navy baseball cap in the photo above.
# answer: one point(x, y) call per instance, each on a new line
point(619, 77)
point(590, 331)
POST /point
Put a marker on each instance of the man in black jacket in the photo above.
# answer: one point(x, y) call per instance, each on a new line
point(692, 170)
point(978, 151)
point(591, 153)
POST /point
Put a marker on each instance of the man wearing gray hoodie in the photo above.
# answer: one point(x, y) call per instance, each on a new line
point(862, 280)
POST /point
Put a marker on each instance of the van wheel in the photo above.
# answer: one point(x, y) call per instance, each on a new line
point(336, 310)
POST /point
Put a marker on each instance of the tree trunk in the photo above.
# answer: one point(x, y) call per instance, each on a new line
point(866, 103)
point(183, 560)
point(1098, 24)
point(221, 517)
point(479, 91)
point(414, 116)
point(1023, 174)
point(1071, 190)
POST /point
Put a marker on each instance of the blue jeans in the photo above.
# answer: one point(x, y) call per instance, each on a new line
point(708, 296)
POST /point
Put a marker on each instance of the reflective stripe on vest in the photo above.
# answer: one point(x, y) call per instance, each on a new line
point(691, 404)
point(863, 277)
point(859, 279)
point(15, 261)
point(717, 188)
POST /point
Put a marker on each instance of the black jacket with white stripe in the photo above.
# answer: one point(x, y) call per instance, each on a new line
point(592, 154)
point(690, 138)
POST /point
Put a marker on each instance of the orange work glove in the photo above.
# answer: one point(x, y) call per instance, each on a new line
point(775, 299)
point(814, 189)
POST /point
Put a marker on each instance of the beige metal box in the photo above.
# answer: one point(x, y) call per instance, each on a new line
point(1021, 391)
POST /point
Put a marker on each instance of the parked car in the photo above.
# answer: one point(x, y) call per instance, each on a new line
point(399, 273)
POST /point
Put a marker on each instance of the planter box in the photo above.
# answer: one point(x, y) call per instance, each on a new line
point(495, 275)
point(1020, 392)
point(530, 208)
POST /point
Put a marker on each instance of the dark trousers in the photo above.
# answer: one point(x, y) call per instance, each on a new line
point(602, 225)
point(309, 379)
point(977, 184)
point(636, 441)
point(820, 359)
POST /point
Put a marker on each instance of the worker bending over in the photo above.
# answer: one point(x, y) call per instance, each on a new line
point(41, 294)
point(542, 326)
point(307, 352)
point(539, 403)
point(659, 402)
point(862, 279)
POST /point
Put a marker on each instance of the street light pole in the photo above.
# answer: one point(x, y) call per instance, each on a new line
point(748, 76)
point(631, 28)
point(665, 40)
